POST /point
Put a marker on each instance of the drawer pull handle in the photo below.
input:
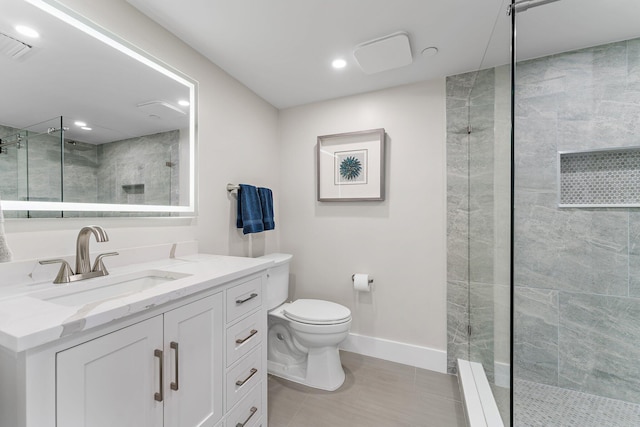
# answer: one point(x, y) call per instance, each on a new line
point(242, 301)
point(253, 410)
point(174, 346)
point(242, 340)
point(158, 396)
point(241, 382)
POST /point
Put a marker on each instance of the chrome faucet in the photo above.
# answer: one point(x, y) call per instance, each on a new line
point(83, 261)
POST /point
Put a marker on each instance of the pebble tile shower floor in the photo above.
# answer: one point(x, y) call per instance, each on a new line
point(540, 405)
point(376, 393)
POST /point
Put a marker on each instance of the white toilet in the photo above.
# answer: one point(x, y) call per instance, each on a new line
point(303, 335)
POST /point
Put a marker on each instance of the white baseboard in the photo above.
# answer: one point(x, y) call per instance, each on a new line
point(394, 351)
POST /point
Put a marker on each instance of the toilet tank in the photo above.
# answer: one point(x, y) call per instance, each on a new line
point(278, 282)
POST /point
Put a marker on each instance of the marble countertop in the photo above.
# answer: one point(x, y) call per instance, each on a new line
point(28, 320)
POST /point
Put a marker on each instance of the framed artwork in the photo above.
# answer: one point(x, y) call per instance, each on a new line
point(351, 166)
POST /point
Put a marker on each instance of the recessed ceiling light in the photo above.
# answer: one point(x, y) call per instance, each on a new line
point(339, 63)
point(27, 31)
point(183, 102)
point(85, 128)
point(79, 123)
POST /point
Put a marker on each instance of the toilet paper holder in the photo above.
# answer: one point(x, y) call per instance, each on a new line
point(353, 277)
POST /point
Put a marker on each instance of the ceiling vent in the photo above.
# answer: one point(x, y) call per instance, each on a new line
point(161, 110)
point(13, 48)
point(384, 53)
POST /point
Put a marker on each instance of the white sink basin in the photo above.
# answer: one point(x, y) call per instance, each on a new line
point(108, 287)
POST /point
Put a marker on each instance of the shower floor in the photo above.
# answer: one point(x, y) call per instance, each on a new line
point(542, 405)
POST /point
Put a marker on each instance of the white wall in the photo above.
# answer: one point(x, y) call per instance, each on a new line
point(401, 242)
point(237, 133)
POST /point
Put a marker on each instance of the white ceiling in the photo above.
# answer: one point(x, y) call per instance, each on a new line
point(282, 49)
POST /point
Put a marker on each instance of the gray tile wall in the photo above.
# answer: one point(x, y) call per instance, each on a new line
point(577, 312)
point(471, 220)
point(458, 89)
point(125, 166)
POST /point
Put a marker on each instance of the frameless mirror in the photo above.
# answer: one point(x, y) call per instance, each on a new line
point(89, 124)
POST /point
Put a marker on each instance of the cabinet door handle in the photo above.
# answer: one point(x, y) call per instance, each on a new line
point(158, 396)
point(174, 346)
point(241, 382)
point(253, 410)
point(242, 301)
point(242, 340)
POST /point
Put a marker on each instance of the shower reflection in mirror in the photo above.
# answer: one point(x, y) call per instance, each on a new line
point(40, 163)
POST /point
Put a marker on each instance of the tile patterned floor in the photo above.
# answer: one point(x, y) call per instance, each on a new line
point(376, 393)
point(540, 405)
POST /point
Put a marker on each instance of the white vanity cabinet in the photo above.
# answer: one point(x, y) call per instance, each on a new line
point(196, 360)
point(112, 378)
point(106, 380)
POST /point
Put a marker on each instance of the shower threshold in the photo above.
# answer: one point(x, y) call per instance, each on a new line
point(480, 406)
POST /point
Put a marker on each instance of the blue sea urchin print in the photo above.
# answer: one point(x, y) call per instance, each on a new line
point(350, 168)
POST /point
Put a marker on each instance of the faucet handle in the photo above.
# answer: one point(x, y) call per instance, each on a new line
point(98, 265)
point(65, 272)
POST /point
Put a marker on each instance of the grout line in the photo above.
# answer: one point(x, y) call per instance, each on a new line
point(628, 253)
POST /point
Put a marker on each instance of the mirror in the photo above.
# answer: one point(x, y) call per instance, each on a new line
point(89, 125)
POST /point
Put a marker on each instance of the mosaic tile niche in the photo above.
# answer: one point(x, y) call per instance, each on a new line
point(600, 178)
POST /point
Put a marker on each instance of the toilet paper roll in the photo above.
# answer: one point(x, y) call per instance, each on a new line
point(361, 282)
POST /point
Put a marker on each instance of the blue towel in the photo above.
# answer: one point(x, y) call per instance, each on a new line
point(266, 202)
point(249, 216)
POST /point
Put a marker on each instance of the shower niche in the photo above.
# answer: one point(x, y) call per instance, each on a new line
point(599, 178)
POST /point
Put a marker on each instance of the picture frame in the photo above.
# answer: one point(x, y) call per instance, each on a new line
point(350, 166)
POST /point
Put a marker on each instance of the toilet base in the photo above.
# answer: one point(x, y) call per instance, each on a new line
point(322, 369)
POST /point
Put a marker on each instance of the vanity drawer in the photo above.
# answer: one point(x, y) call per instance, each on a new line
point(244, 336)
point(243, 298)
point(249, 411)
point(243, 376)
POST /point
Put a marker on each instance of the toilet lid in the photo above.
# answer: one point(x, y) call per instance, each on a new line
point(317, 312)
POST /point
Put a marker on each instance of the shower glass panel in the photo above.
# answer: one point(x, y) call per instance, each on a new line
point(44, 165)
point(489, 230)
point(489, 220)
point(577, 268)
point(479, 217)
point(13, 166)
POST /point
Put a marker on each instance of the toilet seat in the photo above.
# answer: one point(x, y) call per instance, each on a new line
point(317, 312)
